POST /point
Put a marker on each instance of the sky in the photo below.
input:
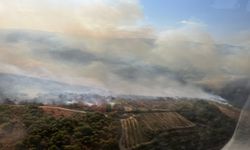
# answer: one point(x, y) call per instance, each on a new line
point(219, 15)
point(143, 47)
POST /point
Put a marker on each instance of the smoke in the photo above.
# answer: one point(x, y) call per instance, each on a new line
point(97, 18)
point(101, 44)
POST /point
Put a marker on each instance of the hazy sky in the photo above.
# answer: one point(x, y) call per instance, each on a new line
point(219, 15)
point(152, 47)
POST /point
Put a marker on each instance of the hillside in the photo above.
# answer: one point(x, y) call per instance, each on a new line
point(173, 124)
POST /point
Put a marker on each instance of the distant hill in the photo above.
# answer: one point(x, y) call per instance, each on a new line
point(23, 87)
point(235, 92)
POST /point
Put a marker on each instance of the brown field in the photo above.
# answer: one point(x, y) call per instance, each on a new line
point(12, 135)
point(12, 131)
point(229, 111)
point(59, 111)
point(135, 128)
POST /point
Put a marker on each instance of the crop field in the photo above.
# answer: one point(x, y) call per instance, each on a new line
point(153, 105)
point(163, 121)
point(132, 134)
point(135, 128)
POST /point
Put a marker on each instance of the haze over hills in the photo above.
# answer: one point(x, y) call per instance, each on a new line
point(236, 92)
point(23, 88)
point(20, 88)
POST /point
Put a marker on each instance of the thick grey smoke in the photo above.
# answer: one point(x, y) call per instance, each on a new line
point(120, 52)
point(174, 64)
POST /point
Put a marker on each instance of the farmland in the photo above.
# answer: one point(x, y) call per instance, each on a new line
point(163, 121)
point(136, 130)
point(59, 111)
point(126, 124)
point(229, 111)
point(155, 105)
point(132, 135)
point(172, 124)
